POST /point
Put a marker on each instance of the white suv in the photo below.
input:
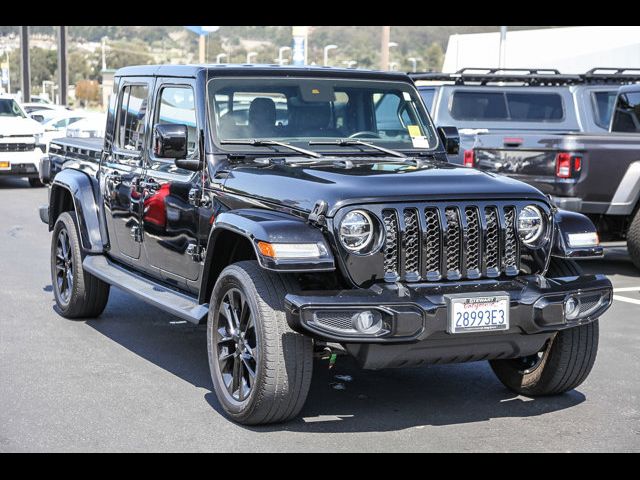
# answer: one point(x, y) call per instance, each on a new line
point(20, 142)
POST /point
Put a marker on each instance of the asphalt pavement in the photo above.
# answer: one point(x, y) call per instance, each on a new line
point(137, 379)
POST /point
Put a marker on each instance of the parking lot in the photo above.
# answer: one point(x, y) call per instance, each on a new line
point(137, 379)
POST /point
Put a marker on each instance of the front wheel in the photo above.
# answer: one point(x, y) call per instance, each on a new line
point(261, 369)
point(633, 239)
point(78, 294)
point(564, 362)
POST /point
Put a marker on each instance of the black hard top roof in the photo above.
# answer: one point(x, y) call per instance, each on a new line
point(224, 70)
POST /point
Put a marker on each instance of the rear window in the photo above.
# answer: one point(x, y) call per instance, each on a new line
point(507, 106)
point(603, 107)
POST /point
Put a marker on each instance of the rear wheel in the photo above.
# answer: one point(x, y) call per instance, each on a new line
point(261, 369)
point(564, 362)
point(633, 239)
point(35, 182)
point(78, 294)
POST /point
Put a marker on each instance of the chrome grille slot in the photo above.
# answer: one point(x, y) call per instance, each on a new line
point(492, 242)
point(432, 244)
point(390, 248)
point(474, 236)
point(453, 243)
point(411, 245)
point(511, 263)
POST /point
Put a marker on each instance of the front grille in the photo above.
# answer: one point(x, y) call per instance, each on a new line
point(16, 147)
point(450, 242)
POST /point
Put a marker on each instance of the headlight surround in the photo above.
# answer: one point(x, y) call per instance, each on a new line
point(356, 231)
point(531, 225)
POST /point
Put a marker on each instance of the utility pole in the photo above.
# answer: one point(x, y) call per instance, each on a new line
point(384, 48)
point(503, 47)
point(63, 70)
point(202, 47)
point(24, 64)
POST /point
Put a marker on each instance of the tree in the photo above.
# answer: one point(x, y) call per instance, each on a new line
point(87, 91)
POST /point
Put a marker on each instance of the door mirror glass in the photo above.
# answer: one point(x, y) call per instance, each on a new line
point(450, 139)
point(170, 140)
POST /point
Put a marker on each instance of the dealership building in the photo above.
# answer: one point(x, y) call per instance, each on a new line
point(568, 49)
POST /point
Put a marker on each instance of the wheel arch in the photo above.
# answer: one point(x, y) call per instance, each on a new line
point(73, 190)
point(235, 235)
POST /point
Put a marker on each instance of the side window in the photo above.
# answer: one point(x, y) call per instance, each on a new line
point(131, 118)
point(627, 114)
point(387, 111)
point(603, 106)
point(427, 95)
point(478, 106)
point(177, 106)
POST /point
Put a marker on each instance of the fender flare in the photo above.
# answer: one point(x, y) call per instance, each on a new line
point(82, 189)
point(567, 222)
point(274, 227)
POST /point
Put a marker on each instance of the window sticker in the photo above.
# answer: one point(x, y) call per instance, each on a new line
point(417, 138)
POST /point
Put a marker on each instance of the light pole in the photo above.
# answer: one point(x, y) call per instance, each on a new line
point(414, 61)
point(251, 54)
point(502, 54)
point(219, 57)
point(281, 50)
point(326, 53)
point(350, 63)
point(104, 58)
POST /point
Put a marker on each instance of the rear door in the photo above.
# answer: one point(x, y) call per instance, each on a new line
point(170, 220)
point(123, 169)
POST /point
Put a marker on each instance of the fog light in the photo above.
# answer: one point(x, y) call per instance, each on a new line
point(571, 308)
point(368, 322)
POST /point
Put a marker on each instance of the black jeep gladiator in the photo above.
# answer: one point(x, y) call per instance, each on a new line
point(297, 210)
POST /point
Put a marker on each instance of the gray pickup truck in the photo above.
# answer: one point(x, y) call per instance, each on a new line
point(574, 137)
point(509, 101)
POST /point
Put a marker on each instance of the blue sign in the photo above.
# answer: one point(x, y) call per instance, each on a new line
point(202, 30)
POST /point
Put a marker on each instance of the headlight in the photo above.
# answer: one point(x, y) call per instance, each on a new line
point(356, 230)
point(531, 224)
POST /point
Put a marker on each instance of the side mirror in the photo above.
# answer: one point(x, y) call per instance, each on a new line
point(450, 138)
point(170, 141)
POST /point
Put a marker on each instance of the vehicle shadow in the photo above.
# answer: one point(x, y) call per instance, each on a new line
point(369, 401)
point(13, 182)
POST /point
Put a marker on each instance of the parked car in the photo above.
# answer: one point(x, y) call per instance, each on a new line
point(43, 108)
point(507, 102)
point(20, 142)
point(91, 126)
point(597, 174)
point(345, 226)
point(56, 126)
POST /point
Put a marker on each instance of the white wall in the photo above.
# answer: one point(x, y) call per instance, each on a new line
point(570, 49)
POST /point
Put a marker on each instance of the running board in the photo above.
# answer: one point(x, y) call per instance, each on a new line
point(147, 290)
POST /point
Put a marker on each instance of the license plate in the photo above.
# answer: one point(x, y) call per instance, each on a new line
point(477, 312)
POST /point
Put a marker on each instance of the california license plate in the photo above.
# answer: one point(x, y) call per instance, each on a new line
point(477, 312)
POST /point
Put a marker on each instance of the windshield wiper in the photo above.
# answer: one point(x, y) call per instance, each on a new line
point(268, 143)
point(348, 142)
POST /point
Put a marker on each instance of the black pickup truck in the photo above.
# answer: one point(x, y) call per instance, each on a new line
point(297, 210)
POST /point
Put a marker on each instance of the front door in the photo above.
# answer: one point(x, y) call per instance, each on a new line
point(170, 219)
point(123, 171)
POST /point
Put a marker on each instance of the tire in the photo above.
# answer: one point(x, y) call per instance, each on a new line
point(283, 362)
point(35, 182)
point(563, 364)
point(633, 239)
point(83, 295)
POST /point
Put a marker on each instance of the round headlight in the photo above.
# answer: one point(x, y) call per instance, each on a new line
point(531, 224)
point(356, 230)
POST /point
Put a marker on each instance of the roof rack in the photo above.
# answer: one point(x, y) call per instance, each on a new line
point(532, 76)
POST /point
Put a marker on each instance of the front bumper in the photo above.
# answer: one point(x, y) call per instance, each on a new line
point(416, 318)
point(20, 164)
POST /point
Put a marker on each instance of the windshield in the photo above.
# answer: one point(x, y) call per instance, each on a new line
point(302, 112)
point(10, 108)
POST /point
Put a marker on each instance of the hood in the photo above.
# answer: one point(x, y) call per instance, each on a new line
point(10, 126)
point(300, 187)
